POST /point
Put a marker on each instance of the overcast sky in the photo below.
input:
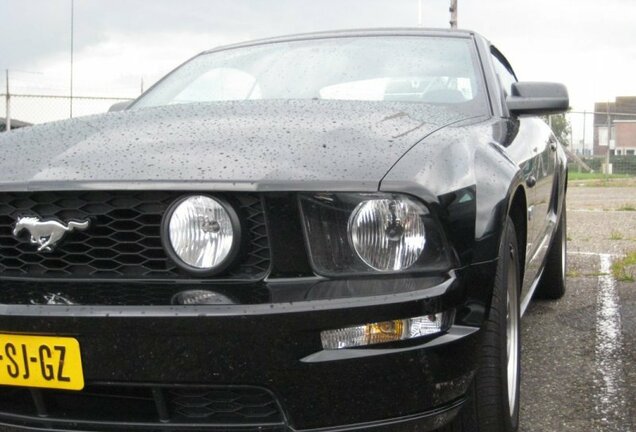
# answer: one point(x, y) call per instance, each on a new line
point(590, 45)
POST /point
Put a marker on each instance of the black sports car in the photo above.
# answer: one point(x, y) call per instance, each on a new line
point(323, 232)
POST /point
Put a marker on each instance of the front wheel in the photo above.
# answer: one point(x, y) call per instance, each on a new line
point(493, 402)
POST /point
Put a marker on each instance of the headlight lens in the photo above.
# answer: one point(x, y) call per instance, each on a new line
point(361, 234)
point(202, 233)
point(388, 234)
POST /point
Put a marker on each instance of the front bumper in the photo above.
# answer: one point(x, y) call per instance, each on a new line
point(273, 346)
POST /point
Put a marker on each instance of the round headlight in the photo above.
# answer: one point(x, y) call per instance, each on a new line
point(388, 234)
point(201, 233)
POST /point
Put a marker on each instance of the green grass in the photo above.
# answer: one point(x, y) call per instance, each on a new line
point(615, 235)
point(627, 207)
point(573, 175)
point(622, 269)
point(596, 274)
point(576, 274)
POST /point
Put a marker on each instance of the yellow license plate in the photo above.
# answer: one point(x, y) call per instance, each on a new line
point(40, 361)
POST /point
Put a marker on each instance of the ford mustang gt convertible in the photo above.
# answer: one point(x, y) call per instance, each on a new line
point(321, 232)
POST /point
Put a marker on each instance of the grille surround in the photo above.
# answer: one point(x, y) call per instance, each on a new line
point(124, 239)
point(125, 407)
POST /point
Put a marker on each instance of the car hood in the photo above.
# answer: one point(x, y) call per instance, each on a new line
point(256, 145)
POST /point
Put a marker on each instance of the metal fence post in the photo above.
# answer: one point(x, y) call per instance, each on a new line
point(583, 139)
point(608, 166)
point(7, 113)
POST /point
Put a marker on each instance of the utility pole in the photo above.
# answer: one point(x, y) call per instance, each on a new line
point(453, 14)
point(7, 125)
point(72, 25)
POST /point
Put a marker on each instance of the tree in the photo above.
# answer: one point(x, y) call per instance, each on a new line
point(561, 127)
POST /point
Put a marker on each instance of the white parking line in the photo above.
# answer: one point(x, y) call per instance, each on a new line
point(611, 403)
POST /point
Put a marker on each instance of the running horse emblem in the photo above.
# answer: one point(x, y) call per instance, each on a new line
point(47, 233)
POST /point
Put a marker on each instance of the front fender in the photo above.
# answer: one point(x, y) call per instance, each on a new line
point(468, 179)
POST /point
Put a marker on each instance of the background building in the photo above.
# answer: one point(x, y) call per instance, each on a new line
point(622, 121)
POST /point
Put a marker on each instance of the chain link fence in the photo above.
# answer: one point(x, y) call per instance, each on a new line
point(25, 109)
point(600, 141)
point(620, 165)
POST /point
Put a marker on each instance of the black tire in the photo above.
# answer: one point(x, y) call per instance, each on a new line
point(553, 281)
point(487, 408)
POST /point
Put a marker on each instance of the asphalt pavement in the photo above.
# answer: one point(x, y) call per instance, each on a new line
point(579, 353)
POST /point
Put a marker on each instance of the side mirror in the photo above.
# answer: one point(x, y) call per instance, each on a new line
point(120, 106)
point(538, 98)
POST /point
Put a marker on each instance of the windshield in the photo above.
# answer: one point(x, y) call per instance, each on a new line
point(433, 70)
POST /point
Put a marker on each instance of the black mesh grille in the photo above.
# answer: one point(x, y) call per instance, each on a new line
point(223, 405)
point(133, 407)
point(123, 241)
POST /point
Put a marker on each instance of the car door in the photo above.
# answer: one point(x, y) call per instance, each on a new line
point(541, 215)
point(535, 152)
point(545, 216)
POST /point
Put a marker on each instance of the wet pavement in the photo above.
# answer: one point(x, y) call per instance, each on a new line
point(579, 353)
